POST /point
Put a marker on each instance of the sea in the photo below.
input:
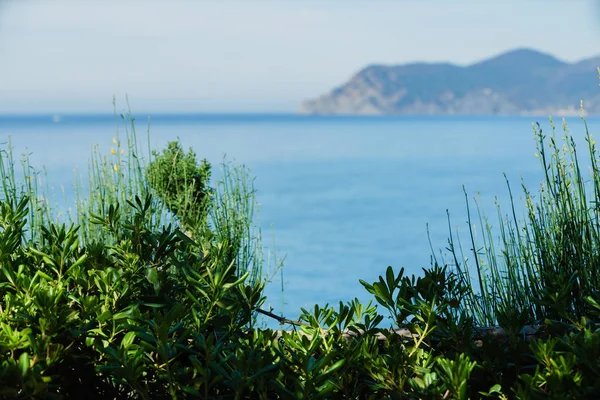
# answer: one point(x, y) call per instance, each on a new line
point(341, 197)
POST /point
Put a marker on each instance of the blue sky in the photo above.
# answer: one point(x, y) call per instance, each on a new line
point(254, 56)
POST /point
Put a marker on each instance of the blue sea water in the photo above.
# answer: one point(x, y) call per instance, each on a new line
point(341, 197)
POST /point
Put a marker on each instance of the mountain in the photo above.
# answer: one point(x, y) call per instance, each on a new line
point(518, 82)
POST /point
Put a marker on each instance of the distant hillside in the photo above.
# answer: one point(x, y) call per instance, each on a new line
point(519, 82)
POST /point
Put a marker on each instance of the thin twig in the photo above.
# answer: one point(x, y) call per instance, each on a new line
point(282, 320)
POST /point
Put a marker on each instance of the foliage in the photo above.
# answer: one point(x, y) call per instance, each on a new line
point(544, 266)
point(158, 316)
point(547, 264)
point(135, 317)
point(181, 184)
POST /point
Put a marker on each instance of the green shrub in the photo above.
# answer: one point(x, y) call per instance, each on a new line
point(181, 184)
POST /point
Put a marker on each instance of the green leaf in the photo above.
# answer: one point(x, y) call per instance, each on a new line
point(240, 280)
point(389, 277)
point(124, 314)
point(24, 363)
point(334, 367)
point(44, 275)
point(104, 316)
point(367, 286)
point(77, 263)
point(128, 340)
point(152, 277)
point(153, 305)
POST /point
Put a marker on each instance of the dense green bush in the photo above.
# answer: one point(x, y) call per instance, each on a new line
point(181, 184)
point(158, 316)
point(134, 317)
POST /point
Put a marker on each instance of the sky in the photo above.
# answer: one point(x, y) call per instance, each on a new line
point(60, 56)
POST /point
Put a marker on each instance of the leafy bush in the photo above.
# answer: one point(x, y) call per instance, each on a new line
point(135, 317)
point(181, 184)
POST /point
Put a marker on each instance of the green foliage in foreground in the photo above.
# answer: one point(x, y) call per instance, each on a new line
point(160, 316)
